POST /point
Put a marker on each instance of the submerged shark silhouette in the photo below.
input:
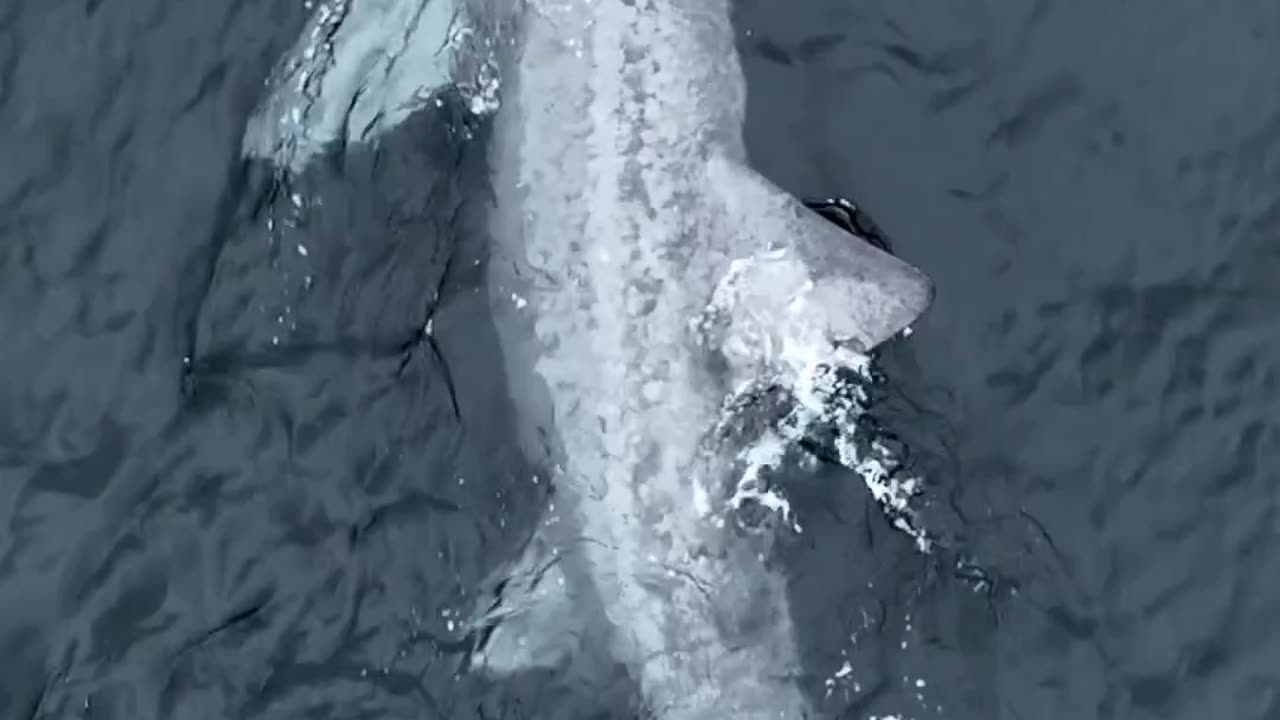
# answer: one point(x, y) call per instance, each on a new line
point(644, 280)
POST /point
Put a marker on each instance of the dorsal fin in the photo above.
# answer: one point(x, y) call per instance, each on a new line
point(806, 269)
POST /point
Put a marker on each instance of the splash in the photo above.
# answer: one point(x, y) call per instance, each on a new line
point(830, 397)
point(776, 332)
point(822, 391)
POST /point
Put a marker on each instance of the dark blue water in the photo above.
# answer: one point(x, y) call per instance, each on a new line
point(1094, 188)
point(238, 479)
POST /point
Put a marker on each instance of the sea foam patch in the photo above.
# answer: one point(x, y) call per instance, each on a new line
point(829, 396)
point(776, 333)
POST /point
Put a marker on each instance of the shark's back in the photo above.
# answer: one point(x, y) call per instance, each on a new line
point(643, 269)
point(605, 229)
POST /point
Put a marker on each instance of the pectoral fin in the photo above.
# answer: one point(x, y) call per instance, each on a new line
point(532, 623)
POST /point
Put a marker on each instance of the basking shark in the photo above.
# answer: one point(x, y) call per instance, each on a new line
point(656, 300)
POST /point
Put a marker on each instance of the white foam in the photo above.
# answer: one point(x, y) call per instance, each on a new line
point(777, 335)
point(827, 388)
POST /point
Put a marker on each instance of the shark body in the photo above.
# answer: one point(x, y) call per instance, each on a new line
point(647, 275)
point(642, 277)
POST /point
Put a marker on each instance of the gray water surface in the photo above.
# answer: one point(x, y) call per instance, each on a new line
point(238, 481)
point(1095, 188)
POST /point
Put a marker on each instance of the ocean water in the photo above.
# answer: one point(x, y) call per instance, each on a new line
point(239, 479)
point(1093, 187)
